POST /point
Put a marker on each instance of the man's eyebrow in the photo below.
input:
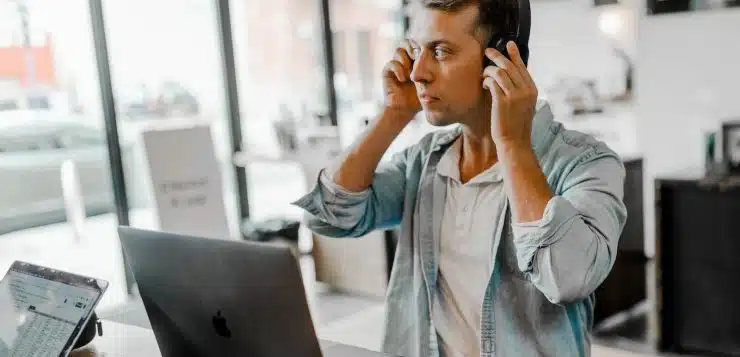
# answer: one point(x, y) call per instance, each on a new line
point(433, 43)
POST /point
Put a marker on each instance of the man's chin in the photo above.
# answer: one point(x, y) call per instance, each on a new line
point(436, 118)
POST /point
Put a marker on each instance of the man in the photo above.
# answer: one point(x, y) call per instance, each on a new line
point(508, 222)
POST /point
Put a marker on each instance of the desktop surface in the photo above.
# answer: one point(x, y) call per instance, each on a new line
point(120, 340)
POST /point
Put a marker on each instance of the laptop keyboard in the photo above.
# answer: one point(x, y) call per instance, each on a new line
point(41, 336)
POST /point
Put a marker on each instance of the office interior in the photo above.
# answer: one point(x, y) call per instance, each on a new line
point(280, 86)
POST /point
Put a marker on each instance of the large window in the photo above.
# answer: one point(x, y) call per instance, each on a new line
point(166, 73)
point(53, 154)
point(281, 77)
point(282, 81)
point(365, 34)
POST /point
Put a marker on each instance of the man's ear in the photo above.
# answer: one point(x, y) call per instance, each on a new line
point(483, 37)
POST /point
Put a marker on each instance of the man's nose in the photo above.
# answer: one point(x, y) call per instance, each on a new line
point(420, 72)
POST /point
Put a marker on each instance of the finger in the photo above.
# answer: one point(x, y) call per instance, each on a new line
point(502, 78)
point(516, 57)
point(409, 49)
point(396, 68)
point(402, 56)
point(488, 83)
point(497, 94)
point(504, 63)
point(492, 86)
point(405, 45)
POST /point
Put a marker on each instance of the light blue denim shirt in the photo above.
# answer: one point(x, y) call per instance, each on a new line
point(539, 300)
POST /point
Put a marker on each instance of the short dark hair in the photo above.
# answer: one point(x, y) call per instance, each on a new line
point(495, 17)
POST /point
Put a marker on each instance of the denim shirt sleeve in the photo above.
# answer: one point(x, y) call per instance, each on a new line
point(570, 251)
point(333, 211)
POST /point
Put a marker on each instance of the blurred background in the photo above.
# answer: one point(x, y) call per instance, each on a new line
point(80, 81)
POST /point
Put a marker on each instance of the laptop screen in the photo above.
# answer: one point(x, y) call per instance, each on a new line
point(47, 310)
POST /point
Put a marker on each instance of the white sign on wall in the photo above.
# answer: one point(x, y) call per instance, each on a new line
point(186, 181)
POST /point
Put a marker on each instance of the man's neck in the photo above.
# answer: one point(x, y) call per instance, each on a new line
point(478, 151)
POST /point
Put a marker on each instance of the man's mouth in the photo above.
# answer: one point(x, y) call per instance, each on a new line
point(426, 98)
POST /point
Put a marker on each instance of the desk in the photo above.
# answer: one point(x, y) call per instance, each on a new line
point(121, 340)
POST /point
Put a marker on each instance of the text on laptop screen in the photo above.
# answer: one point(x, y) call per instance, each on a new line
point(46, 310)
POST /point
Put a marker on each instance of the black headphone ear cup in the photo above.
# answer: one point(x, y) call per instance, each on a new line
point(498, 43)
point(501, 46)
point(524, 53)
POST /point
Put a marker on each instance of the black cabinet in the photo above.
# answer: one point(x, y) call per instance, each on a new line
point(625, 286)
point(698, 260)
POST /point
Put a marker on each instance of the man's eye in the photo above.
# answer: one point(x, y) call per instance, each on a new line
point(439, 52)
point(415, 52)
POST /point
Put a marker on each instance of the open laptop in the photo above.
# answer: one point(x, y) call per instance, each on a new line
point(43, 310)
point(209, 297)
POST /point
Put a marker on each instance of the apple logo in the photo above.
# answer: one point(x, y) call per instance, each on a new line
point(219, 324)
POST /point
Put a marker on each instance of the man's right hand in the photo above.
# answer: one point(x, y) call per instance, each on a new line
point(400, 91)
point(358, 164)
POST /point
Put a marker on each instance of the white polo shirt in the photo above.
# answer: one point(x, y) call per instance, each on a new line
point(466, 259)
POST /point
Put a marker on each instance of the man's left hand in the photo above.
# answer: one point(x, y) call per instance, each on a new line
point(514, 96)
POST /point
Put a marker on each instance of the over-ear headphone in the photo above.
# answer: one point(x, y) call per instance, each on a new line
point(520, 35)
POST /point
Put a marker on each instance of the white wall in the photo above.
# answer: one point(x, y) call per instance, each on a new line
point(687, 74)
point(687, 79)
point(566, 41)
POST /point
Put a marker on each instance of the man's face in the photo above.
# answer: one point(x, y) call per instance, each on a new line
point(448, 64)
